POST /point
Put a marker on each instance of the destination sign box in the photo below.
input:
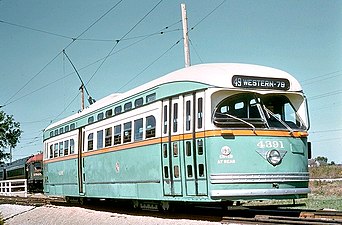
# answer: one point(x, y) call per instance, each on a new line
point(242, 81)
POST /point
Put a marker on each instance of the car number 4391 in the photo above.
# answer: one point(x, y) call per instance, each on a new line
point(270, 144)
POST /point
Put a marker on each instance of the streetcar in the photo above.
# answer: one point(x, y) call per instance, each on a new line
point(209, 133)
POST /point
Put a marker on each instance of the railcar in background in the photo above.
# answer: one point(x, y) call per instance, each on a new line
point(29, 168)
point(209, 133)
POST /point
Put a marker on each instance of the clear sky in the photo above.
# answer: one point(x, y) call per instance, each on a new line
point(37, 83)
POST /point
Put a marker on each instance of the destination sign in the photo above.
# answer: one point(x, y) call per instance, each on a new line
point(242, 81)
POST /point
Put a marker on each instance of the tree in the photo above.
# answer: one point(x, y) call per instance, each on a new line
point(322, 160)
point(9, 134)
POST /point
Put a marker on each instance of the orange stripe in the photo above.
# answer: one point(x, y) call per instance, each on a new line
point(179, 137)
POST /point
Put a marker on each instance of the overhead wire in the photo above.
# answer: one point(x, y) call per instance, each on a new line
point(86, 66)
point(53, 59)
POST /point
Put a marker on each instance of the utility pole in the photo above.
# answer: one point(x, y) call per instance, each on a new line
point(185, 36)
point(82, 96)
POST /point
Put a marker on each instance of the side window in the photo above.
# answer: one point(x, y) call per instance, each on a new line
point(66, 147)
point(61, 130)
point(128, 106)
point(90, 119)
point(138, 102)
point(55, 153)
point(117, 134)
point(72, 126)
point(90, 141)
point(100, 116)
point(51, 151)
point(108, 137)
point(51, 133)
point(66, 128)
point(56, 132)
point(150, 127)
point(99, 139)
point(150, 97)
point(61, 149)
point(117, 110)
point(109, 113)
point(138, 129)
point(127, 132)
point(72, 146)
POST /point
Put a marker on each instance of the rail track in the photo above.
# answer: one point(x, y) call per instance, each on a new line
point(238, 215)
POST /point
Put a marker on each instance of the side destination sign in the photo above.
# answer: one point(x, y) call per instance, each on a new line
point(242, 81)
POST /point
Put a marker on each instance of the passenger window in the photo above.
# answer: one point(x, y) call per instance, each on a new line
point(66, 128)
point(117, 110)
point(55, 151)
point(100, 116)
point(127, 132)
point(150, 97)
point(138, 129)
point(150, 127)
point(108, 138)
point(72, 146)
point(128, 106)
point(109, 113)
point(90, 119)
point(66, 147)
point(61, 130)
point(138, 102)
point(51, 151)
point(56, 132)
point(61, 149)
point(90, 141)
point(72, 126)
point(117, 134)
point(51, 133)
point(99, 139)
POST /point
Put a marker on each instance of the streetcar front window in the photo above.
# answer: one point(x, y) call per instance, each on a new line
point(251, 110)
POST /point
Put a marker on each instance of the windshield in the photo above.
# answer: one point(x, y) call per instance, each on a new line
point(252, 110)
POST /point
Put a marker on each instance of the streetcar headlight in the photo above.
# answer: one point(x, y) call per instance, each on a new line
point(273, 157)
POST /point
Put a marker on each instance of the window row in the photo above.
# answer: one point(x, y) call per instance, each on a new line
point(107, 114)
point(62, 130)
point(122, 133)
point(62, 148)
point(118, 109)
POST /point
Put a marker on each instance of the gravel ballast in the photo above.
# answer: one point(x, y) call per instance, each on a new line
point(49, 214)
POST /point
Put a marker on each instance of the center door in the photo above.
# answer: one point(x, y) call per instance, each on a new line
point(172, 145)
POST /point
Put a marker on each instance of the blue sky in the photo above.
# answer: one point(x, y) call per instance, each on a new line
point(38, 85)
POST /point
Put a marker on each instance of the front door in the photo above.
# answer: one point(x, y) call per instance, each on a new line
point(194, 145)
point(80, 160)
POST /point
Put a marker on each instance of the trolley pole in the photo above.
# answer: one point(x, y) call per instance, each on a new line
point(185, 36)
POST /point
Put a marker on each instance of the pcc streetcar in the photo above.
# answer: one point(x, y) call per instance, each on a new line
point(203, 134)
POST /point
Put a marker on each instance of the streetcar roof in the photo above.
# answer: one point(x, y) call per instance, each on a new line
point(212, 74)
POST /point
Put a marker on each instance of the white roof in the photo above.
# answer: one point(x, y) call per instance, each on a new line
point(214, 74)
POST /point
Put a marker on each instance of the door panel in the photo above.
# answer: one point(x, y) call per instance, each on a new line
point(171, 130)
point(194, 147)
point(80, 160)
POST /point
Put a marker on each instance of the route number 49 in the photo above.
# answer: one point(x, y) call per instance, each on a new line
point(270, 144)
